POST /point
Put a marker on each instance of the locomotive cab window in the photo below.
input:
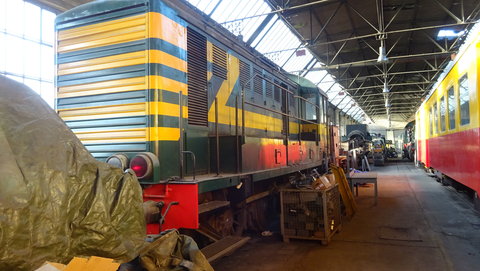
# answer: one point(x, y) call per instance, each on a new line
point(311, 109)
point(451, 108)
point(464, 99)
point(443, 112)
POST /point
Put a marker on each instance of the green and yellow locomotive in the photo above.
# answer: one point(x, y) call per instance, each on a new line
point(156, 87)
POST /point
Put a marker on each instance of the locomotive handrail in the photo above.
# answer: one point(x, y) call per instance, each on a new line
point(268, 80)
point(194, 160)
point(278, 112)
point(307, 101)
point(286, 90)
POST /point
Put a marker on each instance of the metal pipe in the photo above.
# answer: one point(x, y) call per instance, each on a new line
point(299, 111)
point(390, 32)
point(180, 139)
point(156, 123)
point(278, 112)
point(380, 75)
point(217, 138)
point(287, 127)
point(268, 80)
point(371, 62)
point(237, 144)
point(307, 101)
point(391, 85)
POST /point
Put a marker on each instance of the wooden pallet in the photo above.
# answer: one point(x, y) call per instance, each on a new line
point(223, 247)
point(212, 205)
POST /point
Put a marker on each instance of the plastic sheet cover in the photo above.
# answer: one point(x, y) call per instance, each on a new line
point(56, 200)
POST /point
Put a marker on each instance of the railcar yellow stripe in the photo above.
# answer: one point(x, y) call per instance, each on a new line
point(103, 39)
point(108, 141)
point(162, 27)
point(140, 134)
point(132, 135)
point(154, 108)
point(123, 30)
point(159, 82)
point(112, 86)
point(106, 116)
point(167, 109)
point(122, 60)
point(157, 56)
point(108, 62)
point(122, 85)
point(102, 27)
point(104, 112)
point(164, 133)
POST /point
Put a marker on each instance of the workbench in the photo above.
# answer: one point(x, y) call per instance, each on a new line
point(363, 177)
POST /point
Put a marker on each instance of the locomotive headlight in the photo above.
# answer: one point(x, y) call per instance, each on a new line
point(142, 165)
point(118, 160)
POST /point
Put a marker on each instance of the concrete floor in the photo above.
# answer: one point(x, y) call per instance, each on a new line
point(440, 231)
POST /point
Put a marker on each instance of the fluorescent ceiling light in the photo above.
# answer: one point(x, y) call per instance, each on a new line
point(449, 33)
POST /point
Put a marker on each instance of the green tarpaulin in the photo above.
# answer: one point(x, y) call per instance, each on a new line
point(56, 200)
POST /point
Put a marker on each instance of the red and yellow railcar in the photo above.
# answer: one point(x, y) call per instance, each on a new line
point(447, 123)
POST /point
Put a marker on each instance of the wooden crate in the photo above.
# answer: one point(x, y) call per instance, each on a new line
point(310, 214)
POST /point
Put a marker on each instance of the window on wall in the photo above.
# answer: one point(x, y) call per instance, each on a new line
point(451, 108)
point(26, 46)
point(443, 112)
point(464, 97)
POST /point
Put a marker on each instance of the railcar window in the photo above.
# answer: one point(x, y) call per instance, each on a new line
point(443, 112)
point(430, 119)
point(464, 97)
point(27, 27)
point(435, 118)
point(451, 108)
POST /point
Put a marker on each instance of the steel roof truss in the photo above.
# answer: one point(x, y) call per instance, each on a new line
point(361, 16)
point(327, 22)
point(448, 11)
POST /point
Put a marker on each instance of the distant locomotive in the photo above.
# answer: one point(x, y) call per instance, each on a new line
point(409, 143)
point(447, 123)
point(202, 119)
